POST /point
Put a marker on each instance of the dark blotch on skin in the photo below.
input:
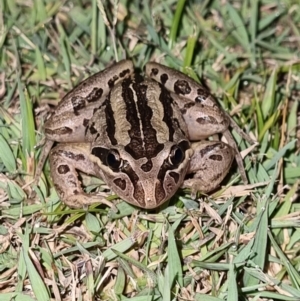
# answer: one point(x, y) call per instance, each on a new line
point(70, 155)
point(85, 122)
point(200, 99)
point(112, 81)
point(209, 148)
point(154, 71)
point(78, 103)
point(186, 107)
point(189, 105)
point(201, 120)
point(217, 176)
point(63, 169)
point(92, 129)
point(147, 166)
point(60, 131)
point(177, 124)
point(72, 183)
point(95, 95)
point(138, 192)
point(164, 78)
point(159, 193)
point(203, 94)
point(216, 157)
point(120, 183)
point(175, 176)
point(206, 120)
point(183, 111)
point(182, 87)
point(78, 157)
point(124, 72)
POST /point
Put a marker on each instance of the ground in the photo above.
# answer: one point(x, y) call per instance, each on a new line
point(240, 242)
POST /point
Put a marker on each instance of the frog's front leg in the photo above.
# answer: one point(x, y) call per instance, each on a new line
point(65, 159)
point(209, 165)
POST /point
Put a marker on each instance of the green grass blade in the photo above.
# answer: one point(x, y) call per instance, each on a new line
point(268, 124)
point(38, 285)
point(292, 119)
point(138, 264)
point(174, 263)
point(232, 284)
point(260, 243)
point(190, 48)
point(166, 284)
point(92, 223)
point(94, 30)
point(239, 31)
point(253, 22)
point(7, 156)
point(294, 275)
point(28, 129)
point(259, 116)
point(268, 102)
point(15, 297)
point(120, 282)
point(280, 154)
point(40, 64)
point(176, 22)
point(122, 246)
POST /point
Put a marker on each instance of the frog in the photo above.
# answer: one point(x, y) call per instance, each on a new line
point(145, 135)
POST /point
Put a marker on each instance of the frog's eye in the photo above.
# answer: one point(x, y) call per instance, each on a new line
point(110, 158)
point(113, 159)
point(177, 154)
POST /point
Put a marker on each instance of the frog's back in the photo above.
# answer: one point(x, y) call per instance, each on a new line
point(139, 114)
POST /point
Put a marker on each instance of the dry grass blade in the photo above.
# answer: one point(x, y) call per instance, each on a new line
point(240, 242)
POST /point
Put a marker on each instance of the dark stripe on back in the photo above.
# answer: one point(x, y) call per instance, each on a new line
point(139, 114)
point(110, 121)
point(166, 101)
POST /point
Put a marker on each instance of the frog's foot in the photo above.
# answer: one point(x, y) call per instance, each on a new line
point(198, 185)
point(45, 152)
point(82, 200)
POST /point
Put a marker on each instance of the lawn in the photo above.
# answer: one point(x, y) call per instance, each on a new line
point(240, 242)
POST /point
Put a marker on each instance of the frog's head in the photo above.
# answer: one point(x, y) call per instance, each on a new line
point(145, 182)
point(139, 140)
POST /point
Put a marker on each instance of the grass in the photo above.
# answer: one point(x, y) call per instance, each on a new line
point(240, 243)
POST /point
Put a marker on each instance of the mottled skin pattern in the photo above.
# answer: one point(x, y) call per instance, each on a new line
point(145, 137)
